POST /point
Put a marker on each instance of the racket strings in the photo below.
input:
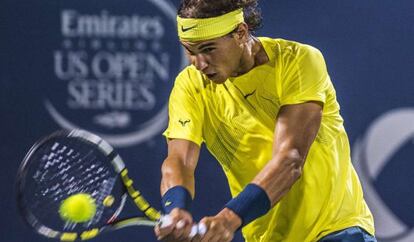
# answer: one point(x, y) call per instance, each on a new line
point(105, 190)
point(66, 174)
point(68, 168)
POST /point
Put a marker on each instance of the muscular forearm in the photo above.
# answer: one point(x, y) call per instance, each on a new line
point(177, 189)
point(295, 131)
point(279, 175)
point(177, 173)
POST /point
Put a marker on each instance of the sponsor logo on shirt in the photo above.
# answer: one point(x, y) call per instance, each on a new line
point(184, 122)
point(249, 94)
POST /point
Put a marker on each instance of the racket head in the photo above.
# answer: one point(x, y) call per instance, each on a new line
point(66, 163)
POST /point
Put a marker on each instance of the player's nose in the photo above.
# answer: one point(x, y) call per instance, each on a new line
point(200, 62)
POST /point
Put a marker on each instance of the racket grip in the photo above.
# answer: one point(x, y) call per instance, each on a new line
point(196, 229)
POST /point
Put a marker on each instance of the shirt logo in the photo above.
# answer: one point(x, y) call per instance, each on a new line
point(184, 123)
point(188, 28)
point(249, 94)
point(167, 203)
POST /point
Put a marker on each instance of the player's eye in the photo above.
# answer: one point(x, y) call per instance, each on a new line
point(207, 50)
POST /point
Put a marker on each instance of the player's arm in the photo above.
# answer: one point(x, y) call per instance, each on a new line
point(296, 128)
point(177, 188)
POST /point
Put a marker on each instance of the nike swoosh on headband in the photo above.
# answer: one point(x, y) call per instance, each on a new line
point(188, 28)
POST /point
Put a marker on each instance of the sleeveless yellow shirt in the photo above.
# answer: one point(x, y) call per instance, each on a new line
point(236, 120)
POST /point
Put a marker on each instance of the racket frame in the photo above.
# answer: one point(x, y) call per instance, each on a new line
point(152, 218)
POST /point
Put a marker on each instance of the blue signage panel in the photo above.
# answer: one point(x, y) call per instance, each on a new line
point(108, 66)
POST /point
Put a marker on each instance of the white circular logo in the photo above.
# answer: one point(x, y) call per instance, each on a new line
point(113, 69)
point(371, 154)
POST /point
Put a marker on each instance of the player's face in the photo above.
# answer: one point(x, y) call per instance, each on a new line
point(218, 59)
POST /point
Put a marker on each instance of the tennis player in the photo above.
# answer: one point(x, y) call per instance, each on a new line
point(267, 110)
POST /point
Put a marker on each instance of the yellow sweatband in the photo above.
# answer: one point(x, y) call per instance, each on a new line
point(198, 29)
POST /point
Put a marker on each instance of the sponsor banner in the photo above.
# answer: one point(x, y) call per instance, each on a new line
point(113, 69)
point(383, 159)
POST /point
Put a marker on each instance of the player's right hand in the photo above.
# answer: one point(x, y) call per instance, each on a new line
point(176, 226)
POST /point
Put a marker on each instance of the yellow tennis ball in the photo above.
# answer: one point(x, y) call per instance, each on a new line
point(78, 208)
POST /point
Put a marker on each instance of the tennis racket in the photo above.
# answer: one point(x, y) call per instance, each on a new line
point(66, 163)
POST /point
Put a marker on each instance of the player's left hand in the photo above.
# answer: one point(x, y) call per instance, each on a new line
point(220, 228)
point(177, 228)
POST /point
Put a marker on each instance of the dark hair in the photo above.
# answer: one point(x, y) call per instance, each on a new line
point(214, 8)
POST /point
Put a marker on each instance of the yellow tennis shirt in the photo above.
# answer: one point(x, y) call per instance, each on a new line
point(236, 120)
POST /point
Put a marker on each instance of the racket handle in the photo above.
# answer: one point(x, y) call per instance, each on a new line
point(196, 229)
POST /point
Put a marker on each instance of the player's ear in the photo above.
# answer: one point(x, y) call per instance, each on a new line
point(242, 33)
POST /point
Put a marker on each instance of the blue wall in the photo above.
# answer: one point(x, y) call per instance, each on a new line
point(55, 73)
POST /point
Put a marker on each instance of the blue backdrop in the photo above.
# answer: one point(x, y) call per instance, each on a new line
point(107, 66)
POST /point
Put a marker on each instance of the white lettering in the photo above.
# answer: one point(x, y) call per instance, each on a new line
point(159, 66)
point(124, 65)
point(130, 95)
point(71, 65)
point(104, 65)
point(107, 25)
point(68, 17)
